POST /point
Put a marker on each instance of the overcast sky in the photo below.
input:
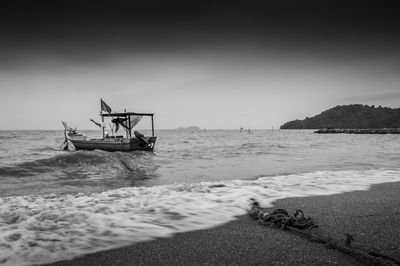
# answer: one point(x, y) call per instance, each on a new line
point(216, 65)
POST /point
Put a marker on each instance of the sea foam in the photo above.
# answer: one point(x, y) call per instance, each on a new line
point(42, 229)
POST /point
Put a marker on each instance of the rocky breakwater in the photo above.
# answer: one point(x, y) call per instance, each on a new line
point(359, 131)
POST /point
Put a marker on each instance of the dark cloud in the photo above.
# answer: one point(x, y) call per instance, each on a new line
point(89, 30)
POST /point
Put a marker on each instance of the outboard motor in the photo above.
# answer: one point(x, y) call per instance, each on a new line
point(142, 140)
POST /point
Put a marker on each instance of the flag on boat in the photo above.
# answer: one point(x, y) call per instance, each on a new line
point(104, 107)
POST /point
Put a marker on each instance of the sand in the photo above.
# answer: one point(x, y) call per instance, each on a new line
point(371, 217)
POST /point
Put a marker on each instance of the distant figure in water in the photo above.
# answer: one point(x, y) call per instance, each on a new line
point(241, 129)
point(248, 130)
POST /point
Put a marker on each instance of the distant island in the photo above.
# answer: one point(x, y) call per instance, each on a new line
point(188, 129)
point(354, 116)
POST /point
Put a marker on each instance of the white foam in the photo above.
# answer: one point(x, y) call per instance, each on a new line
point(43, 229)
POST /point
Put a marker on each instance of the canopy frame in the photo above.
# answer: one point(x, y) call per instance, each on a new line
point(128, 116)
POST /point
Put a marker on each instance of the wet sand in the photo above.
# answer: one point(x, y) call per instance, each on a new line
point(371, 217)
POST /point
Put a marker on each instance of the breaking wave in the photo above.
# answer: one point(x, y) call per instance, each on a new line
point(73, 160)
point(42, 229)
point(80, 158)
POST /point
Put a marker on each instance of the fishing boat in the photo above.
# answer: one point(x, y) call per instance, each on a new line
point(125, 120)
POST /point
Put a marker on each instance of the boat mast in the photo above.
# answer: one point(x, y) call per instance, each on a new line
point(102, 123)
point(130, 128)
point(152, 126)
point(127, 130)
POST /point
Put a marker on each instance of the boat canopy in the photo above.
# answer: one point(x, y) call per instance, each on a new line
point(127, 120)
point(126, 114)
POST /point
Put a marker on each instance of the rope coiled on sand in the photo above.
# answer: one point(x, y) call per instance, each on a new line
point(282, 219)
point(297, 222)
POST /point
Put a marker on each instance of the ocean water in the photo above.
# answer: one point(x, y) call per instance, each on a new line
point(57, 205)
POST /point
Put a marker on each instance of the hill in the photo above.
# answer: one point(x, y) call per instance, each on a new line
point(350, 116)
point(188, 129)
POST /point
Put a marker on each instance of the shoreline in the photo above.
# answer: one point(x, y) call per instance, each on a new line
point(371, 217)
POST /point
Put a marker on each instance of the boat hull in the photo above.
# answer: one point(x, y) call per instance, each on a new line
point(113, 144)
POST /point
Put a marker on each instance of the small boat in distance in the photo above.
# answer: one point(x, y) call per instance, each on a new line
point(126, 121)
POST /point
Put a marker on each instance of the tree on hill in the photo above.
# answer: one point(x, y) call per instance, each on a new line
point(350, 116)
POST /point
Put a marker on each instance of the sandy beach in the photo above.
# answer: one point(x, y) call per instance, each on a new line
point(371, 217)
point(144, 133)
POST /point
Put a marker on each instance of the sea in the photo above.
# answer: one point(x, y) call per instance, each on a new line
point(57, 205)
